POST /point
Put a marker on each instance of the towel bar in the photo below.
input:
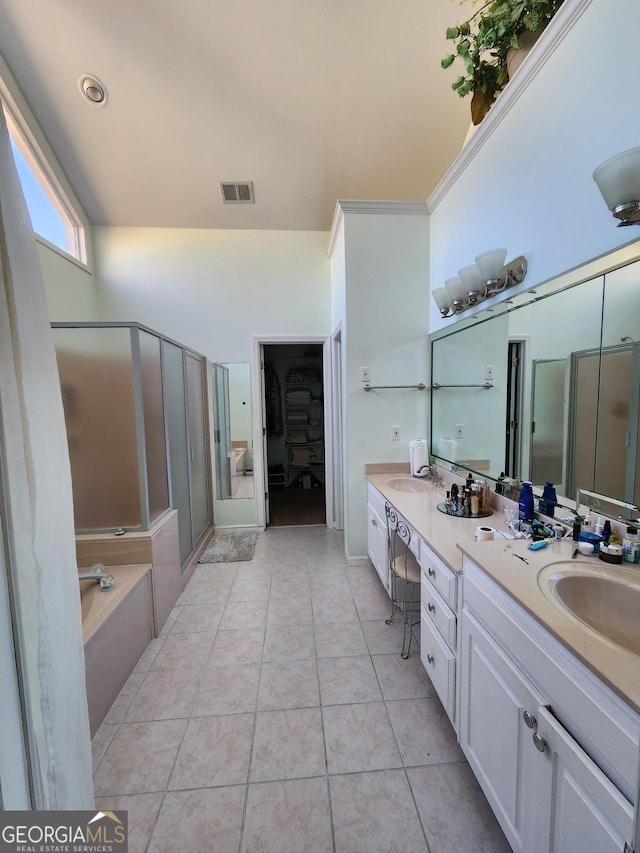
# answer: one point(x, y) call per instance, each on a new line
point(420, 386)
point(437, 385)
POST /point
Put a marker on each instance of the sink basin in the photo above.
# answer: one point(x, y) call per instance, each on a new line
point(408, 484)
point(606, 600)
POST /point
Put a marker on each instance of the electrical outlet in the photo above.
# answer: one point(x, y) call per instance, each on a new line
point(364, 374)
point(459, 430)
point(489, 372)
point(395, 433)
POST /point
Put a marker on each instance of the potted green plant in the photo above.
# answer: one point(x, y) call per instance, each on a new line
point(483, 42)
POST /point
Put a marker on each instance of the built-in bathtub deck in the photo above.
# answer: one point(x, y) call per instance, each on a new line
point(117, 626)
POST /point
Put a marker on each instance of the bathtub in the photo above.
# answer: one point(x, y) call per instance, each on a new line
point(117, 626)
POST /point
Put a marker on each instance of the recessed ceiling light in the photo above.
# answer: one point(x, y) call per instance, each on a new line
point(93, 90)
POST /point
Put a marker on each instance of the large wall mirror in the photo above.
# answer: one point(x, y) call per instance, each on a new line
point(546, 385)
point(233, 436)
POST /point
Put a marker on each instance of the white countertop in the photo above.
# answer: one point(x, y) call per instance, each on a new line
point(451, 537)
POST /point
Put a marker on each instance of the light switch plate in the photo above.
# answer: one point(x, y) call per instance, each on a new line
point(364, 374)
point(459, 430)
point(489, 372)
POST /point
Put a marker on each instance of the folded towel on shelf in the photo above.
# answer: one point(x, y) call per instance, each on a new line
point(298, 436)
point(299, 397)
point(301, 457)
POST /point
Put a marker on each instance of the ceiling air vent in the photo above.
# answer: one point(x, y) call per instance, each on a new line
point(237, 192)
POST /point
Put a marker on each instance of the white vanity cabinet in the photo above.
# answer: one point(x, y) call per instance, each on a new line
point(438, 626)
point(555, 756)
point(377, 543)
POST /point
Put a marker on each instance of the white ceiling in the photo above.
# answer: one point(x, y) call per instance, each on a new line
point(312, 100)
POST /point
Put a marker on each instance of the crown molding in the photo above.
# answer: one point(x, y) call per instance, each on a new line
point(394, 208)
point(553, 36)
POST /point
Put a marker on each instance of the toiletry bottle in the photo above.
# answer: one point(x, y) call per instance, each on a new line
point(599, 528)
point(548, 500)
point(525, 502)
point(577, 527)
point(447, 503)
point(475, 502)
point(606, 532)
point(500, 484)
point(631, 545)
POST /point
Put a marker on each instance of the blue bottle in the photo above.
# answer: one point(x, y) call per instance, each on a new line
point(549, 500)
point(525, 503)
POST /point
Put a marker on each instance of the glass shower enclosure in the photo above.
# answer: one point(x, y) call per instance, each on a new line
point(136, 415)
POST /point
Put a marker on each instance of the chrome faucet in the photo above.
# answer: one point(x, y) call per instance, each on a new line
point(98, 573)
point(433, 475)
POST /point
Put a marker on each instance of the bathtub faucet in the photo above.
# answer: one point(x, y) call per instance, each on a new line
point(97, 573)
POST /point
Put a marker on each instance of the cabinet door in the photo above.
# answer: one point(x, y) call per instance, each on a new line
point(377, 545)
point(586, 811)
point(497, 716)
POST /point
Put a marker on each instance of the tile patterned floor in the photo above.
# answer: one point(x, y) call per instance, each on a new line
point(275, 715)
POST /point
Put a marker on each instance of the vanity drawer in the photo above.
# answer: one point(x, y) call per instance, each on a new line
point(438, 612)
point(376, 501)
point(439, 575)
point(439, 662)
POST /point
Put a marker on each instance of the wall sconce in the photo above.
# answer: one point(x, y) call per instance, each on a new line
point(479, 281)
point(618, 180)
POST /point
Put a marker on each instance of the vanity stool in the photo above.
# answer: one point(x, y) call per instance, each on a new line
point(405, 576)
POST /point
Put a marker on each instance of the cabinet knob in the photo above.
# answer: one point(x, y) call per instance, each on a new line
point(539, 742)
point(529, 719)
point(430, 658)
point(431, 607)
point(431, 572)
point(374, 522)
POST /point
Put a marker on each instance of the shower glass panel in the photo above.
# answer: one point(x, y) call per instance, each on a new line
point(154, 431)
point(200, 494)
point(97, 382)
point(174, 407)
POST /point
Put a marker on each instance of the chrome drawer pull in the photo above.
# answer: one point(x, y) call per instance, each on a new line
point(430, 658)
point(431, 607)
point(374, 522)
point(431, 572)
point(529, 719)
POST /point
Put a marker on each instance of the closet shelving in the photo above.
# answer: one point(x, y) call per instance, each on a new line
point(304, 439)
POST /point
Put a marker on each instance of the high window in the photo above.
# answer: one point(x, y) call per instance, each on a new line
point(52, 214)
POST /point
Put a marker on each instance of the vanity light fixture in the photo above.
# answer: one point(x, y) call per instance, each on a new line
point(476, 282)
point(618, 180)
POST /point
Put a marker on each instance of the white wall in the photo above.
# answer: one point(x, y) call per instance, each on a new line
point(386, 263)
point(213, 290)
point(69, 286)
point(529, 186)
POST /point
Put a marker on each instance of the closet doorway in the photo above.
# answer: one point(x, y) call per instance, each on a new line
point(295, 447)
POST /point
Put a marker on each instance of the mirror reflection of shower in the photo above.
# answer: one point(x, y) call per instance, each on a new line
point(233, 438)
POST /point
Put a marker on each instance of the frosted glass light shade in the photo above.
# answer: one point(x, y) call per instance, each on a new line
point(442, 298)
point(491, 263)
point(456, 288)
point(618, 178)
point(471, 278)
